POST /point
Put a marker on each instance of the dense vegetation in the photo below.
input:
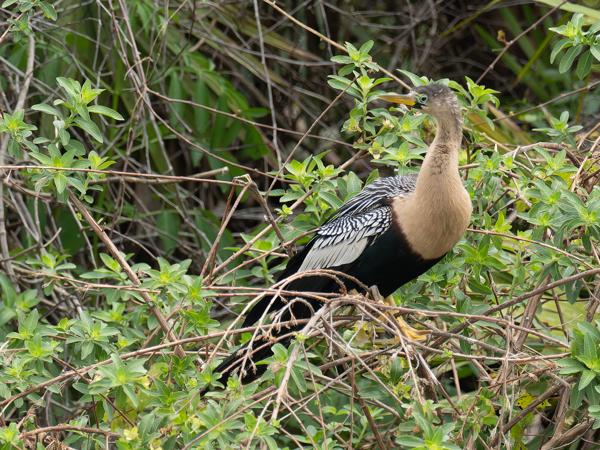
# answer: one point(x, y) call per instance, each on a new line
point(160, 161)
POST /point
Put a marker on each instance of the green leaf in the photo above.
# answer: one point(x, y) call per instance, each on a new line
point(42, 107)
point(567, 60)
point(48, 10)
point(414, 79)
point(338, 82)
point(586, 378)
point(60, 181)
point(570, 366)
point(200, 95)
point(410, 441)
point(168, 223)
point(584, 65)
point(90, 128)
point(595, 50)
point(45, 160)
point(341, 59)
point(105, 111)
point(595, 28)
point(560, 45)
point(366, 48)
point(70, 86)
point(110, 262)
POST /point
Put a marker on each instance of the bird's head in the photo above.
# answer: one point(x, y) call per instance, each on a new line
point(435, 99)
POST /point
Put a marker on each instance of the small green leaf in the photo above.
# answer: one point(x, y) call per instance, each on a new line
point(414, 79)
point(366, 48)
point(338, 82)
point(60, 181)
point(584, 65)
point(89, 127)
point(341, 59)
point(42, 107)
point(110, 262)
point(48, 10)
point(567, 60)
point(586, 378)
point(103, 110)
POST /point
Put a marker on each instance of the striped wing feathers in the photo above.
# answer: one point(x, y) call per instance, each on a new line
point(343, 240)
point(358, 222)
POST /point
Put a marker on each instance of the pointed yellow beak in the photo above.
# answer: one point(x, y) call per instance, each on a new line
point(408, 100)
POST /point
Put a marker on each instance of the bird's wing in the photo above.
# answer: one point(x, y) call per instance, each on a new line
point(376, 194)
point(344, 237)
point(342, 240)
point(357, 223)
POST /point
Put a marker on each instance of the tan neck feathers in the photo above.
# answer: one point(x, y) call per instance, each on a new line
point(442, 156)
point(436, 215)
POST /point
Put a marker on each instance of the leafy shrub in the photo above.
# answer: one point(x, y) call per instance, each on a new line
point(130, 241)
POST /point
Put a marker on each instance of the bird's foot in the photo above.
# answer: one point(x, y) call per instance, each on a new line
point(404, 328)
point(409, 332)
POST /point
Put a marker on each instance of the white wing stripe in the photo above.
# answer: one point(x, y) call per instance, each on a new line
point(334, 255)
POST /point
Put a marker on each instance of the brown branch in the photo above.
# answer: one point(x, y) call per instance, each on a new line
point(227, 215)
point(66, 427)
point(164, 178)
point(558, 440)
point(368, 415)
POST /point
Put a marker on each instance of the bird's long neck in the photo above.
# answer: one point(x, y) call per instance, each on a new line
point(434, 218)
point(441, 162)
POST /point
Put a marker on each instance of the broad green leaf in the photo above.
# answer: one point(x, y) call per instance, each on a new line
point(47, 109)
point(586, 378)
point(567, 59)
point(99, 109)
point(60, 181)
point(584, 65)
point(89, 127)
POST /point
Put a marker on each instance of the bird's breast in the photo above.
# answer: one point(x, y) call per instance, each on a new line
point(432, 224)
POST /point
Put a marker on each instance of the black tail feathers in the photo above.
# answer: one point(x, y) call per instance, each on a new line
point(244, 360)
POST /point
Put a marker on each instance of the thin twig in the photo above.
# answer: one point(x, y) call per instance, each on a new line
point(510, 43)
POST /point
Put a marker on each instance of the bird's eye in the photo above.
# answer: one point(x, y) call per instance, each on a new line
point(422, 98)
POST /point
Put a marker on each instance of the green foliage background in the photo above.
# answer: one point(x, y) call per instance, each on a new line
point(160, 160)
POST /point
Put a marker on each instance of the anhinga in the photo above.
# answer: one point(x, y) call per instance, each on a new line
point(395, 229)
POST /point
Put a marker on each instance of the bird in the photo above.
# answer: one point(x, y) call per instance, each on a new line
point(391, 232)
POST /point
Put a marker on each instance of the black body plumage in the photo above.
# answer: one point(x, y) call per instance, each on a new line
point(360, 240)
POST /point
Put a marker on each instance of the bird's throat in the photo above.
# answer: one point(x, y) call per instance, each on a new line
point(442, 156)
